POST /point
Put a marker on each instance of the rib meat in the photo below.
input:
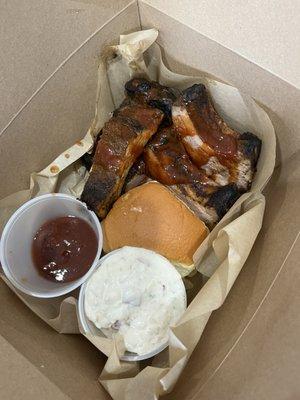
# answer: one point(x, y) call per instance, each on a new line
point(224, 154)
point(209, 203)
point(153, 94)
point(136, 175)
point(121, 143)
point(167, 162)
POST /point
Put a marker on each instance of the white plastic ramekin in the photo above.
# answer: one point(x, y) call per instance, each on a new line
point(17, 236)
point(90, 328)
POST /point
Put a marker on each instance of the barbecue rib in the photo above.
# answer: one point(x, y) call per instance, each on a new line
point(209, 203)
point(121, 143)
point(153, 94)
point(167, 162)
point(224, 154)
point(202, 161)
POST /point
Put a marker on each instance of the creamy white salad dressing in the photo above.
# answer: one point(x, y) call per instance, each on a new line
point(137, 293)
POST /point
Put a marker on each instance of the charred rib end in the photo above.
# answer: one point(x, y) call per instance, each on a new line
point(95, 193)
point(197, 93)
point(224, 198)
point(137, 85)
point(251, 146)
point(165, 105)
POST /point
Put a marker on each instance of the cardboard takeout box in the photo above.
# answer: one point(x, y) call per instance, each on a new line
point(250, 348)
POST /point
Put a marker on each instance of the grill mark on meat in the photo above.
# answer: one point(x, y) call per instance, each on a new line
point(122, 141)
point(167, 161)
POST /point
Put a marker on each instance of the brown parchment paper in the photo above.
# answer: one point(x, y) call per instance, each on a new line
point(220, 257)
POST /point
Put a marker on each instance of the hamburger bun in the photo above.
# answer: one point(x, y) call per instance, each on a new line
point(151, 217)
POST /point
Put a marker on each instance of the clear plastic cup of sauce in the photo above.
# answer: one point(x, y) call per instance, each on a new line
point(17, 238)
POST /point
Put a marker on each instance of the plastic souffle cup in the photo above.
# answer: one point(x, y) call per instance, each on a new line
point(17, 236)
point(89, 327)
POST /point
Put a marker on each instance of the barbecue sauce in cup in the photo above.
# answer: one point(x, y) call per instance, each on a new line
point(64, 248)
